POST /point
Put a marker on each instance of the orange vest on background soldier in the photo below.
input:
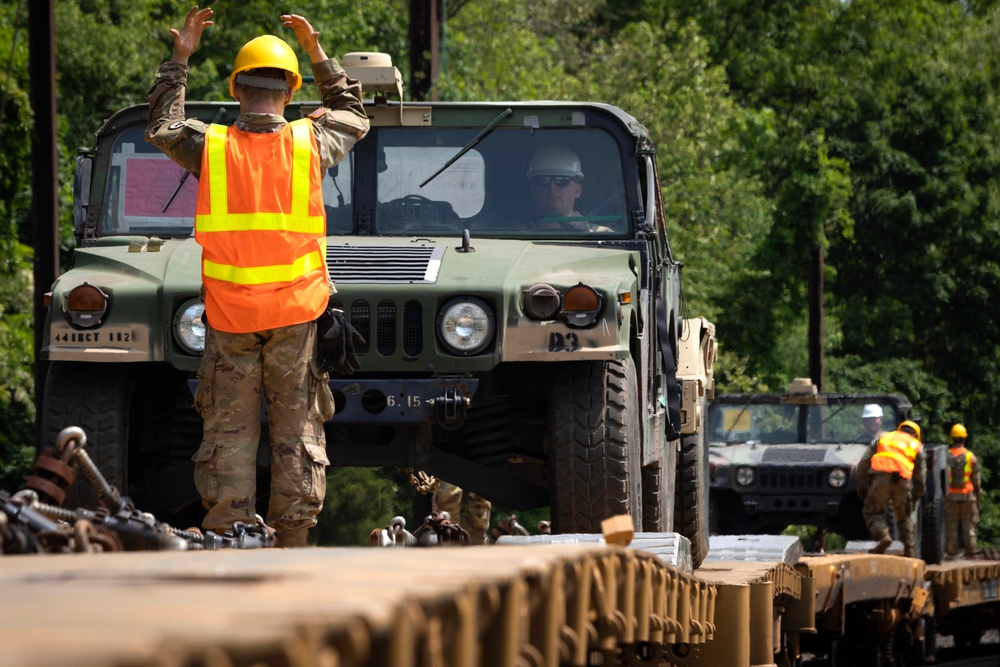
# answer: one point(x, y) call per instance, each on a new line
point(961, 506)
point(960, 473)
point(897, 476)
point(896, 452)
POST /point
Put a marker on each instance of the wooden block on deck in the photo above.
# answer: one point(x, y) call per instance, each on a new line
point(618, 530)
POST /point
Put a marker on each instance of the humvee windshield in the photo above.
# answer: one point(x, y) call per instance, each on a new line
point(487, 190)
point(784, 424)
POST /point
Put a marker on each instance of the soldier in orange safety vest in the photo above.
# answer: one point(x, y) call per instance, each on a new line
point(961, 503)
point(895, 474)
point(260, 220)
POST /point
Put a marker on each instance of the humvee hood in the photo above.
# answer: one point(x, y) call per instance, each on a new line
point(176, 264)
point(810, 454)
point(487, 264)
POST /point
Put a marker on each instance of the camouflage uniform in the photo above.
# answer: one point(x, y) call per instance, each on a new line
point(281, 362)
point(882, 490)
point(476, 519)
point(879, 489)
point(961, 515)
point(232, 376)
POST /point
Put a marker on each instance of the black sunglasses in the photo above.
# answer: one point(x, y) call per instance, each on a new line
point(560, 181)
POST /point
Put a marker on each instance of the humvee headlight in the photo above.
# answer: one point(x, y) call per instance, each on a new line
point(541, 302)
point(465, 325)
point(581, 305)
point(86, 305)
point(190, 326)
point(744, 476)
point(837, 478)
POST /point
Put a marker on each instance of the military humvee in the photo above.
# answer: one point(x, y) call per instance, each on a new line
point(538, 360)
point(780, 459)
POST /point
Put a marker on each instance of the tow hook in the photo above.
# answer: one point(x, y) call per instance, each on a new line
point(450, 409)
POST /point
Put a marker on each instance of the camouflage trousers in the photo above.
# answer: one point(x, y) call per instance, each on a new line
point(884, 490)
point(235, 371)
point(476, 516)
point(960, 518)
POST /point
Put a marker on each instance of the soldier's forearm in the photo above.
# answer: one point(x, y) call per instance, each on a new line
point(341, 94)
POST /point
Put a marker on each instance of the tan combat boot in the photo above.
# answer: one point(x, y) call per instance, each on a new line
point(288, 539)
point(884, 541)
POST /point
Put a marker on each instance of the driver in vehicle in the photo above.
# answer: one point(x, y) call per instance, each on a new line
point(871, 423)
point(555, 181)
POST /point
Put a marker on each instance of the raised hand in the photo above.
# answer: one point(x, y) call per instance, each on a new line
point(308, 38)
point(186, 40)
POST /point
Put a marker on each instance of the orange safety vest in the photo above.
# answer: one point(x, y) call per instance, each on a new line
point(896, 452)
point(262, 228)
point(964, 485)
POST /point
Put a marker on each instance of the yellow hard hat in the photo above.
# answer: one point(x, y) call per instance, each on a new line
point(958, 431)
point(267, 51)
point(911, 425)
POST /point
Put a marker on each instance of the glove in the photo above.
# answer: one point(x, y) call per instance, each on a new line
point(335, 341)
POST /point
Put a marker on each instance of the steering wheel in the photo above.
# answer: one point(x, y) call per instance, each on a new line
point(418, 212)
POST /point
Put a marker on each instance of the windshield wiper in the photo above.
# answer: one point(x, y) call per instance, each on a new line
point(479, 137)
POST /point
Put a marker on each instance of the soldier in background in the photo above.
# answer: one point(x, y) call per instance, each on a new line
point(871, 422)
point(961, 503)
point(476, 515)
point(896, 473)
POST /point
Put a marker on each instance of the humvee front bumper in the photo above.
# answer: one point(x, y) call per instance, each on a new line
point(442, 400)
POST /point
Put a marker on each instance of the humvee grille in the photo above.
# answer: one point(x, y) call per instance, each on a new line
point(372, 264)
point(413, 331)
point(790, 479)
point(361, 318)
point(386, 329)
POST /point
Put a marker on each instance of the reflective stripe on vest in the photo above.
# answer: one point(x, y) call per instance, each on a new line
point(261, 224)
point(964, 485)
point(896, 452)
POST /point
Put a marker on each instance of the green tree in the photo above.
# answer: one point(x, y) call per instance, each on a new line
point(357, 501)
point(904, 95)
point(17, 409)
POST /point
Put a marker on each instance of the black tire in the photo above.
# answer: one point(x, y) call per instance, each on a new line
point(691, 497)
point(96, 398)
point(933, 536)
point(595, 445)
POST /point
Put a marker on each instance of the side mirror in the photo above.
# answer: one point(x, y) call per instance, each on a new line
point(81, 189)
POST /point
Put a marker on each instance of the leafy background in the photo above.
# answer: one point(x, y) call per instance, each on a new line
point(869, 128)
